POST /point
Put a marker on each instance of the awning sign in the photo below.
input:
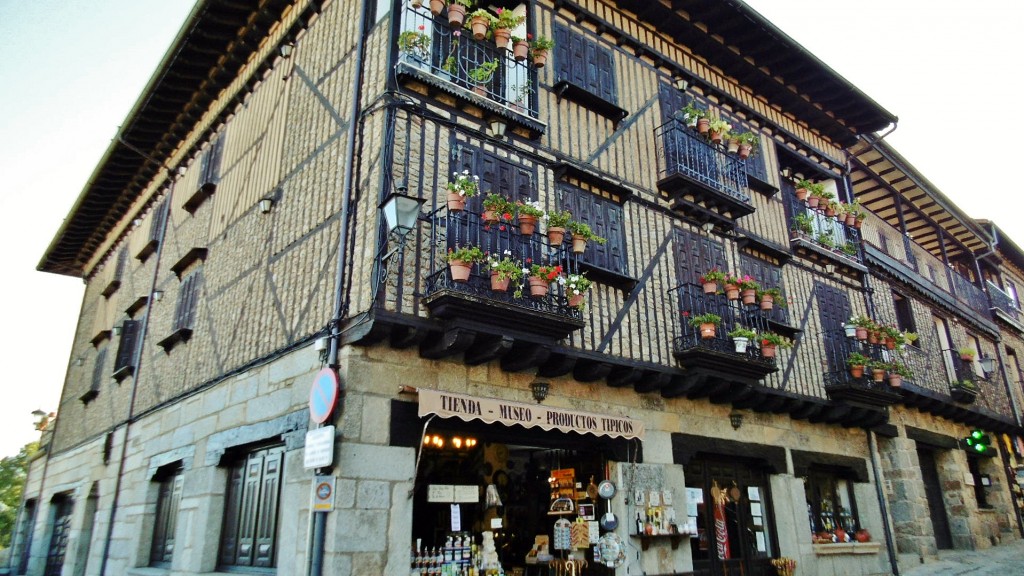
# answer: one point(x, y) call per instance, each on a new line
point(493, 410)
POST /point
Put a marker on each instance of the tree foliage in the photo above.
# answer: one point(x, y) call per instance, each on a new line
point(13, 471)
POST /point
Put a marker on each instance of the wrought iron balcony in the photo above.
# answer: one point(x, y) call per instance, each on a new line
point(702, 180)
point(474, 304)
point(718, 354)
point(841, 385)
point(817, 235)
point(1003, 303)
point(450, 59)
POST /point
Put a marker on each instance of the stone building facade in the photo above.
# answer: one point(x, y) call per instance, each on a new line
point(243, 258)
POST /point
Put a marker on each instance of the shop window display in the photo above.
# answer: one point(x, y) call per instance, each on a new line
point(831, 509)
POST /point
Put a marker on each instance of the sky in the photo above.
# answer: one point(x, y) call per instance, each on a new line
point(74, 69)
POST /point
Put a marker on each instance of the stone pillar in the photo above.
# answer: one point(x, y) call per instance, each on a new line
point(912, 523)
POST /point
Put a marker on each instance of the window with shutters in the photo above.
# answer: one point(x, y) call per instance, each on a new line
point(185, 310)
point(833, 311)
point(249, 536)
point(151, 241)
point(117, 273)
point(124, 362)
point(904, 313)
point(98, 370)
point(168, 500)
point(209, 174)
point(606, 218)
point(585, 72)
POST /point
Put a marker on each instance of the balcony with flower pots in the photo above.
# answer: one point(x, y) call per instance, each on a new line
point(436, 54)
point(720, 342)
point(699, 177)
point(822, 229)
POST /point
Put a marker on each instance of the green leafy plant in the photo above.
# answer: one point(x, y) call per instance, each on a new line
point(549, 273)
point(529, 209)
point(501, 206)
point(805, 184)
point(713, 275)
point(469, 254)
point(967, 353)
point(577, 284)
point(857, 359)
point(415, 43)
point(747, 282)
point(741, 332)
point(719, 125)
point(776, 295)
point(893, 367)
point(966, 384)
point(541, 44)
point(850, 249)
point(559, 218)
point(464, 184)
point(748, 138)
point(508, 19)
point(466, 3)
point(910, 337)
point(483, 73)
point(708, 318)
point(690, 113)
point(863, 321)
point(771, 338)
point(825, 239)
point(584, 230)
point(508, 268)
point(803, 223)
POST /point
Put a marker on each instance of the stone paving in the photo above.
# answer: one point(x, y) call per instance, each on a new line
point(1003, 560)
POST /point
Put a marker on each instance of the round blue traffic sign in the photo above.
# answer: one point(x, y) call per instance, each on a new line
point(323, 396)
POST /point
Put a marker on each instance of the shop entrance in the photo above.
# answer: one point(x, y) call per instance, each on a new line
point(735, 531)
point(933, 493)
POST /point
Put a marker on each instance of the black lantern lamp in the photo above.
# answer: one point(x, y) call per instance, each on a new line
point(401, 212)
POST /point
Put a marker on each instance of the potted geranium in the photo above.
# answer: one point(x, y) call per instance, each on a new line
point(520, 48)
point(748, 288)
point(415, 44)
point(747, 144)
point(505, 271)
point(770, 342)
point(731, 284)
point(497, 208)
point(741, 338)
point(481, 75)
point(462, 186)
point(557, 222)
point(540, 48)
point(864, 326)
point(457, 11)
point(814, 196)
point(717, 128)
point(528, 213)
point(706, 323)
point(803, 187)
point(878, 369)
point(857, 361)
point(963, 390)
point(690, 114)
point(967, 354)
point(581, 234)
point(897, 372)
point(769, 297)
point(711, 279)
point(480, 21)
point(503, 25)
point(541, 277)
point(460, 261)
point(576, 286)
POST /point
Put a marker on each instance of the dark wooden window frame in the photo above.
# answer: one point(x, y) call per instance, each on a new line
point(184, 311)
point(823, 483)
point(96, 383)
point(606, 217)
point(124, 361)
point(585, 72)
point(209, 174)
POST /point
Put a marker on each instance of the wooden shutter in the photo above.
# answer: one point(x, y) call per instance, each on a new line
point(584, 63)
point(184, 313)
point(605, 218)
point(833, 311)
point(229, 542)
point(168, 501)
point(266, 524)
point(695, 255)
point(124, 361)
point(97, 372)
point(210, 173)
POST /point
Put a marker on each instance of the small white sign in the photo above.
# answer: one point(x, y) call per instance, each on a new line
point(319, 450)
point(442, 493)
point(456, 518)
point(496, 523)
point(468, 493)
point(323, 493)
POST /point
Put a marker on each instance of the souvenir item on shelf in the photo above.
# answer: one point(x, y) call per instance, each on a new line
point(563, 534)
point(580, 535)
point(610, 551)
point(606, 489)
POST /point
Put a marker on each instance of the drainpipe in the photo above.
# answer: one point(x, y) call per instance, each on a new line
point(137, 362)
point(890, 546)
point(316, 560)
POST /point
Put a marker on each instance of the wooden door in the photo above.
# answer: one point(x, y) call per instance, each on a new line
point(933, 493)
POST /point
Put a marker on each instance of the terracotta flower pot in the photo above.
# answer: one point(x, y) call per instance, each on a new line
point(745, 150)
point(851, 219)
point(710, 287)
point(539, 286)
point(481, 90)
point(857, 370)
point(801, 193)
point(479, 26)
point(540, 58)
point(733, 146)
point(576, 300)
point(890, 343)
point(502, 37)
point(527, 224)
point(579, 244)
point(767, 302)
point(768, 350)
point(499, 285)
point(707, 330)
point(862, 333)
point(456, 14)
point(416, 3)
point(556, 235)
point(812, 201)
point(749, 296)
point(830, 210)
point(489, 216)
point(456, 202)
point(862, 536)
point(858, 224)
point(967, 358)
point(520, 50)
point(703, 124)
point(732, 292)
point(716, 137)
point(436, 7)
point(895, 380)
point(877, 374)
point(872, 337)
point(460, 270)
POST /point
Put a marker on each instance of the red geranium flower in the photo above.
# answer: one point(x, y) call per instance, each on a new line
point(422, 27)
point(765, 343)
point(506, 216)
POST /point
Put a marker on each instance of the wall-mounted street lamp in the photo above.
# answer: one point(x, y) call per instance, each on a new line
point(401, 212)
point(539, 389)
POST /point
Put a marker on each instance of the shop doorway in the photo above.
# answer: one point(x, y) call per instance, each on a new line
point(736, 536)
point(933, 493)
